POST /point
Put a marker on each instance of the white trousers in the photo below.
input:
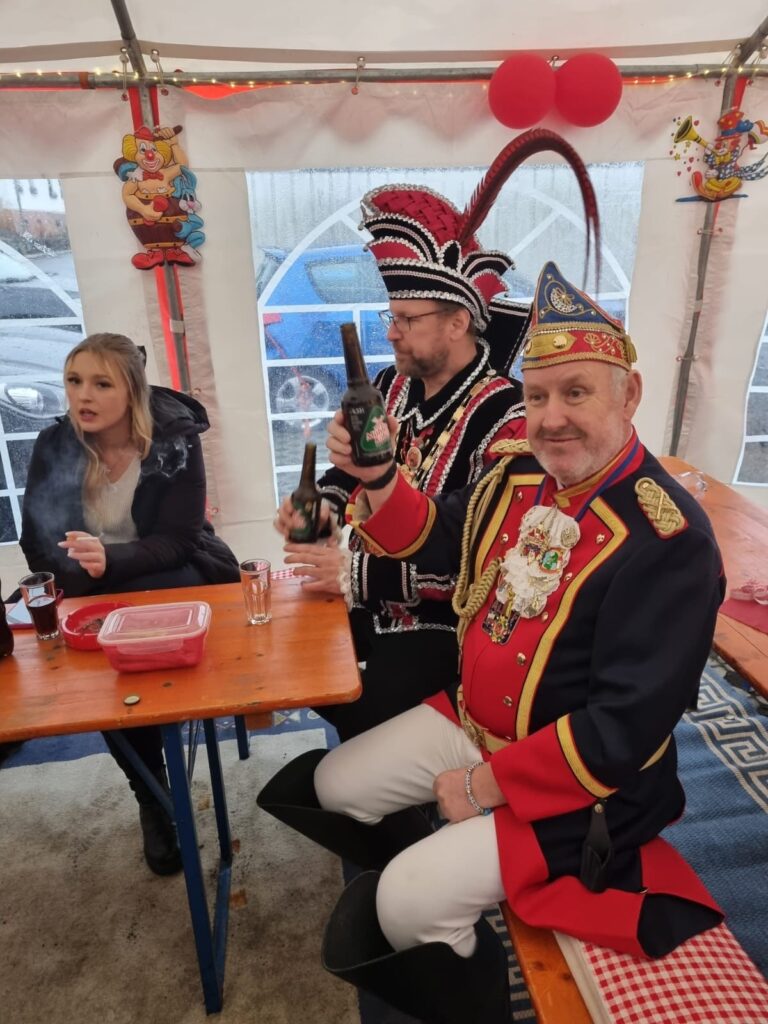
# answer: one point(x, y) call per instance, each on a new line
point(435, 890)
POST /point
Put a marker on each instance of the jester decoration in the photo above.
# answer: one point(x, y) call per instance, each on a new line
point(724, 174)
point(160, 200)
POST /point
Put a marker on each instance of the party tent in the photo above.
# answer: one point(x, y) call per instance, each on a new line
point(289, 113)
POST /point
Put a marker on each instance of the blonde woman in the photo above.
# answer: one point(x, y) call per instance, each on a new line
point(115, 501)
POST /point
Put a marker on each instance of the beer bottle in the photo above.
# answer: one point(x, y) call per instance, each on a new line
point(6, 636)
point(306, 500)
point(362, 406)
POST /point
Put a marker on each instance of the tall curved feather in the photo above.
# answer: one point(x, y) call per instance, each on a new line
point(536, 140)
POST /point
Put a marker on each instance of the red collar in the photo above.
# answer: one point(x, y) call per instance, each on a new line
point(574, 498)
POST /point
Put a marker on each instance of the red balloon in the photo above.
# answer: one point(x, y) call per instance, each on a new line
point(588, 89)
point(522, 90)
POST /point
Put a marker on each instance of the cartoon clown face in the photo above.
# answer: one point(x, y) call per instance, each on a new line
point(147, 156)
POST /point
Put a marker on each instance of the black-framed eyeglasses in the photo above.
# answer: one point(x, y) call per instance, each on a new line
point(403, 322)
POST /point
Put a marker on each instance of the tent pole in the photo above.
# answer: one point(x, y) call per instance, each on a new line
point(129, 38)
point(312, 76)
point(175, 322)
point(739, 56)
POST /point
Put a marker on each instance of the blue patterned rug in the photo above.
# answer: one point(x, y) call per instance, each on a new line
point(723, 762)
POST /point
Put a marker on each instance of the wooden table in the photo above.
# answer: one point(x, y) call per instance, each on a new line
point(741, 528)
point(304, 656)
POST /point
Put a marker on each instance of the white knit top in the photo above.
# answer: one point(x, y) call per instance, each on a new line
point(108, 515)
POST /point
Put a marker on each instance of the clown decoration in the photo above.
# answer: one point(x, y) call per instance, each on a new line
point(160, 200)
point(723, 175)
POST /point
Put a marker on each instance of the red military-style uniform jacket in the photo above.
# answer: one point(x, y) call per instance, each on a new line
point(587, 692)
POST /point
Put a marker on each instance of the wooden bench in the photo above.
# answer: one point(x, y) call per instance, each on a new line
point(554, 994)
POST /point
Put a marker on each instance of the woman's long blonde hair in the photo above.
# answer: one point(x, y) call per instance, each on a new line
point(123, 359)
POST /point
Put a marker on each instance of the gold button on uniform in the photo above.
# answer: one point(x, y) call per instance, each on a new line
point(505, 538)
point(568, 577)
point(600, 538)
point(544, 616)
point(507, 702)
point(521, 658)
point(519, 496)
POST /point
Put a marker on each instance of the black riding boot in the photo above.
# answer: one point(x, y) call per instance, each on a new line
point(290, 796)
point(429, 981)
point(161, 848)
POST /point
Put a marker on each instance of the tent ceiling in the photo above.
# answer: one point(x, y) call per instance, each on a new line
point(83, 34)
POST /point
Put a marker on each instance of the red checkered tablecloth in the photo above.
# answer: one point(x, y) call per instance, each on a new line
point(707, 980)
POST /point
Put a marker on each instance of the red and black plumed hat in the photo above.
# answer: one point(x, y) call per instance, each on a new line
point(426, 248)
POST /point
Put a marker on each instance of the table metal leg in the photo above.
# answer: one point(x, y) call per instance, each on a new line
point(241, 731)
point(210, 943)
point(149, 779)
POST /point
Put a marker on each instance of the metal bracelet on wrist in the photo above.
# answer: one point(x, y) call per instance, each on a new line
point(468, 790)
point(381, 481)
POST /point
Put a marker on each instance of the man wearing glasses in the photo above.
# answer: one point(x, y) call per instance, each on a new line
point(448, 389)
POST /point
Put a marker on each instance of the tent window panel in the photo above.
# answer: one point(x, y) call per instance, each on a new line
point(757, 414)
point(760, 378)
point(311, 271)
point(754, 463)
point(8, 532)
point(752, 467)
point(40, 321)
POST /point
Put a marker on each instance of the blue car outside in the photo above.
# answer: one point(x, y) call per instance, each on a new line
point(302, 312)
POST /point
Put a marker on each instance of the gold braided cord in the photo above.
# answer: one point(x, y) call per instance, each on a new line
point(511, 446)
point(468, 598)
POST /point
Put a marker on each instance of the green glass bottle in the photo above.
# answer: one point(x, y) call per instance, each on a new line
point(306, 500)
point(362, 406)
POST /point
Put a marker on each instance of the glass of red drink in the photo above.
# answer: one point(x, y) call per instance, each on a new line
point(39, 593)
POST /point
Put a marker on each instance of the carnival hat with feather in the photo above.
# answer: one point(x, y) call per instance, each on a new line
point(426, 248)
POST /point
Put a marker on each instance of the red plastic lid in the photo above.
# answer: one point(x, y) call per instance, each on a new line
point(140, 623)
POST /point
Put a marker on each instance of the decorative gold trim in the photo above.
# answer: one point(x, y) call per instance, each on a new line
point(511, 446)
point(658, 755)
point(541, 343)
point(512, 484)
point(493, 527)
point(619, 534)
point(583, 775)
point(658, 508)
point(529, 363)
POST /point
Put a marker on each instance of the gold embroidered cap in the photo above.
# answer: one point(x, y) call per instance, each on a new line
point(567, 326)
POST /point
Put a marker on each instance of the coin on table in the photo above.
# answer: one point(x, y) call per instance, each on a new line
point(132, 698)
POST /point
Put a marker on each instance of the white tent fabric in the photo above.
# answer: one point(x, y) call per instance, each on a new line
point(75, 136)
point(402, 31)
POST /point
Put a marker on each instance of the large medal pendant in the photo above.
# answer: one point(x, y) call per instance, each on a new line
point(500, 621)
point(413, 458)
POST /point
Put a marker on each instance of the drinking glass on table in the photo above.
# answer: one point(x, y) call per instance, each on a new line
point(254, 577)
point(693, 482)
point(39, 593)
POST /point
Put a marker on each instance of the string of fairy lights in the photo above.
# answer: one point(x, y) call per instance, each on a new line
point(359, 74)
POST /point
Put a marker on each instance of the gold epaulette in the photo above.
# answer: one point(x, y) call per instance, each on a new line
point(511, 446)
point(662, 513)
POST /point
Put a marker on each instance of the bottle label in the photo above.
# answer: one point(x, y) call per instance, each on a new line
point(374, 437)
point(309, 513)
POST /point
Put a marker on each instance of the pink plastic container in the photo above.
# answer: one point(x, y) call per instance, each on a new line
point(149, 637)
